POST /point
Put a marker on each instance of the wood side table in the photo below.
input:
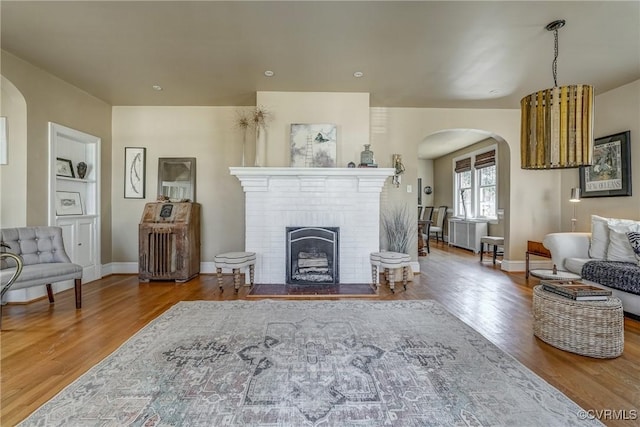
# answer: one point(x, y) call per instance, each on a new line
point(537, 249)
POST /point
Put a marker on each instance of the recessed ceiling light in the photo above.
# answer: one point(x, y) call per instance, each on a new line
point(269, 73)
point(358, 74)
point(494, 92)
point(157, 87)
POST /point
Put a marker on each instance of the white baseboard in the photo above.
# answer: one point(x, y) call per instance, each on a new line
point(518, 266)
point(120, 268)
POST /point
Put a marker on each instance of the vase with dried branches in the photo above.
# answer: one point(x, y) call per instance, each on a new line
point(260, 118)
point(256, 120)
point(243, 123)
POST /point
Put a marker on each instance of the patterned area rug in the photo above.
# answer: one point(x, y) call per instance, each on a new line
point(308, 363)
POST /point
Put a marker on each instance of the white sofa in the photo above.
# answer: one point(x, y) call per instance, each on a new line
point(571, 251)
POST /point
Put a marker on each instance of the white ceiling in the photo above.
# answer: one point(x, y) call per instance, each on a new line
point(451, 54)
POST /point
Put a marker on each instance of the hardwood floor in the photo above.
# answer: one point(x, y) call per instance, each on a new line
point(45, 347)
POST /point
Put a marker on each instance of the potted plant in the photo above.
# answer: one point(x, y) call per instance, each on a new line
point(400, 232)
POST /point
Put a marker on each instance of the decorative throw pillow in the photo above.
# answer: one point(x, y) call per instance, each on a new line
point(600, 234)
point(634, 241)
point(599, 237)
point(619, 247)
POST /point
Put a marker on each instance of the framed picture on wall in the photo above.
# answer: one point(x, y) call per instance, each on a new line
point(610, 171)
point(313, 145)
point(134, 172)
point(68, 203)
point(64, 167)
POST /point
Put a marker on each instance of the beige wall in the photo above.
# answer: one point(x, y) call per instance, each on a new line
point(13, 175)
point(615, 111)
point(49, 99)
point(426, 172)
point(348, 111)
point(207, 133)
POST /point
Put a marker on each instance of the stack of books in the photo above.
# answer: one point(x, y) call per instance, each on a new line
point(575, 290)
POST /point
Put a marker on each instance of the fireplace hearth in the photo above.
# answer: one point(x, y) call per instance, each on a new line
point(312, 255)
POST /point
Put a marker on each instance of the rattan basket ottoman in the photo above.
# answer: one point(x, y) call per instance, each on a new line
point(589, 328)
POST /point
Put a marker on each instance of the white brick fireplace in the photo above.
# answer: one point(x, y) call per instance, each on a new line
point(277, 198)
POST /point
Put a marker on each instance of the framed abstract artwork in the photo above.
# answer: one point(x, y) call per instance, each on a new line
point(134, 172)
point(610, 171)
point(313, 145)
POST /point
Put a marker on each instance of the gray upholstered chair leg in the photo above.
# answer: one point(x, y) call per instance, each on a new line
point(78, 289)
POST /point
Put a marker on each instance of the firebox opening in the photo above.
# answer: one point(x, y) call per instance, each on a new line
point(312, 255)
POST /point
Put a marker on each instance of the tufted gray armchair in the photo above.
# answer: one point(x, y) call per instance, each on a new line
point(44, 260)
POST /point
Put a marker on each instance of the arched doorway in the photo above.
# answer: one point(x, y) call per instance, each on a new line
point(436, 154)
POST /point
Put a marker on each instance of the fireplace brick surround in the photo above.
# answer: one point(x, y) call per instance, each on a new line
point(277, 198)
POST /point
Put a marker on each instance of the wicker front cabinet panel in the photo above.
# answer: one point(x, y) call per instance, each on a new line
point(589, 328)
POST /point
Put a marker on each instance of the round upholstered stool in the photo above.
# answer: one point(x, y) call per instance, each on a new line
point(390, 261)
point(235, 261)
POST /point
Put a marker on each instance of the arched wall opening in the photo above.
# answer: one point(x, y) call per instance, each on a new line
point(533, 197)
point(435, 155)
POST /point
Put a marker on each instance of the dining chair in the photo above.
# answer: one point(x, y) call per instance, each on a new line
point(425, 230)
point(427, 213)
point(438, 228)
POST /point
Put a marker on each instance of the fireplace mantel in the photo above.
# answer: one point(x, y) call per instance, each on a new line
point(311, 179)
point(345, 198)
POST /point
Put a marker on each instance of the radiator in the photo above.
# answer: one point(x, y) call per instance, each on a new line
point(159, 257)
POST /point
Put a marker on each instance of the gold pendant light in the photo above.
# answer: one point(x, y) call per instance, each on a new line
point(557, 123)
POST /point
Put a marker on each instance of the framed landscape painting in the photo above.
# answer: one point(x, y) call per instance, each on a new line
point(313, 145)
point(610, 171)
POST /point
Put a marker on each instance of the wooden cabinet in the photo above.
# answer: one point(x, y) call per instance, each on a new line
point(79, 242)
point(169, 241)
point(74, 201)
point(467, 233)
